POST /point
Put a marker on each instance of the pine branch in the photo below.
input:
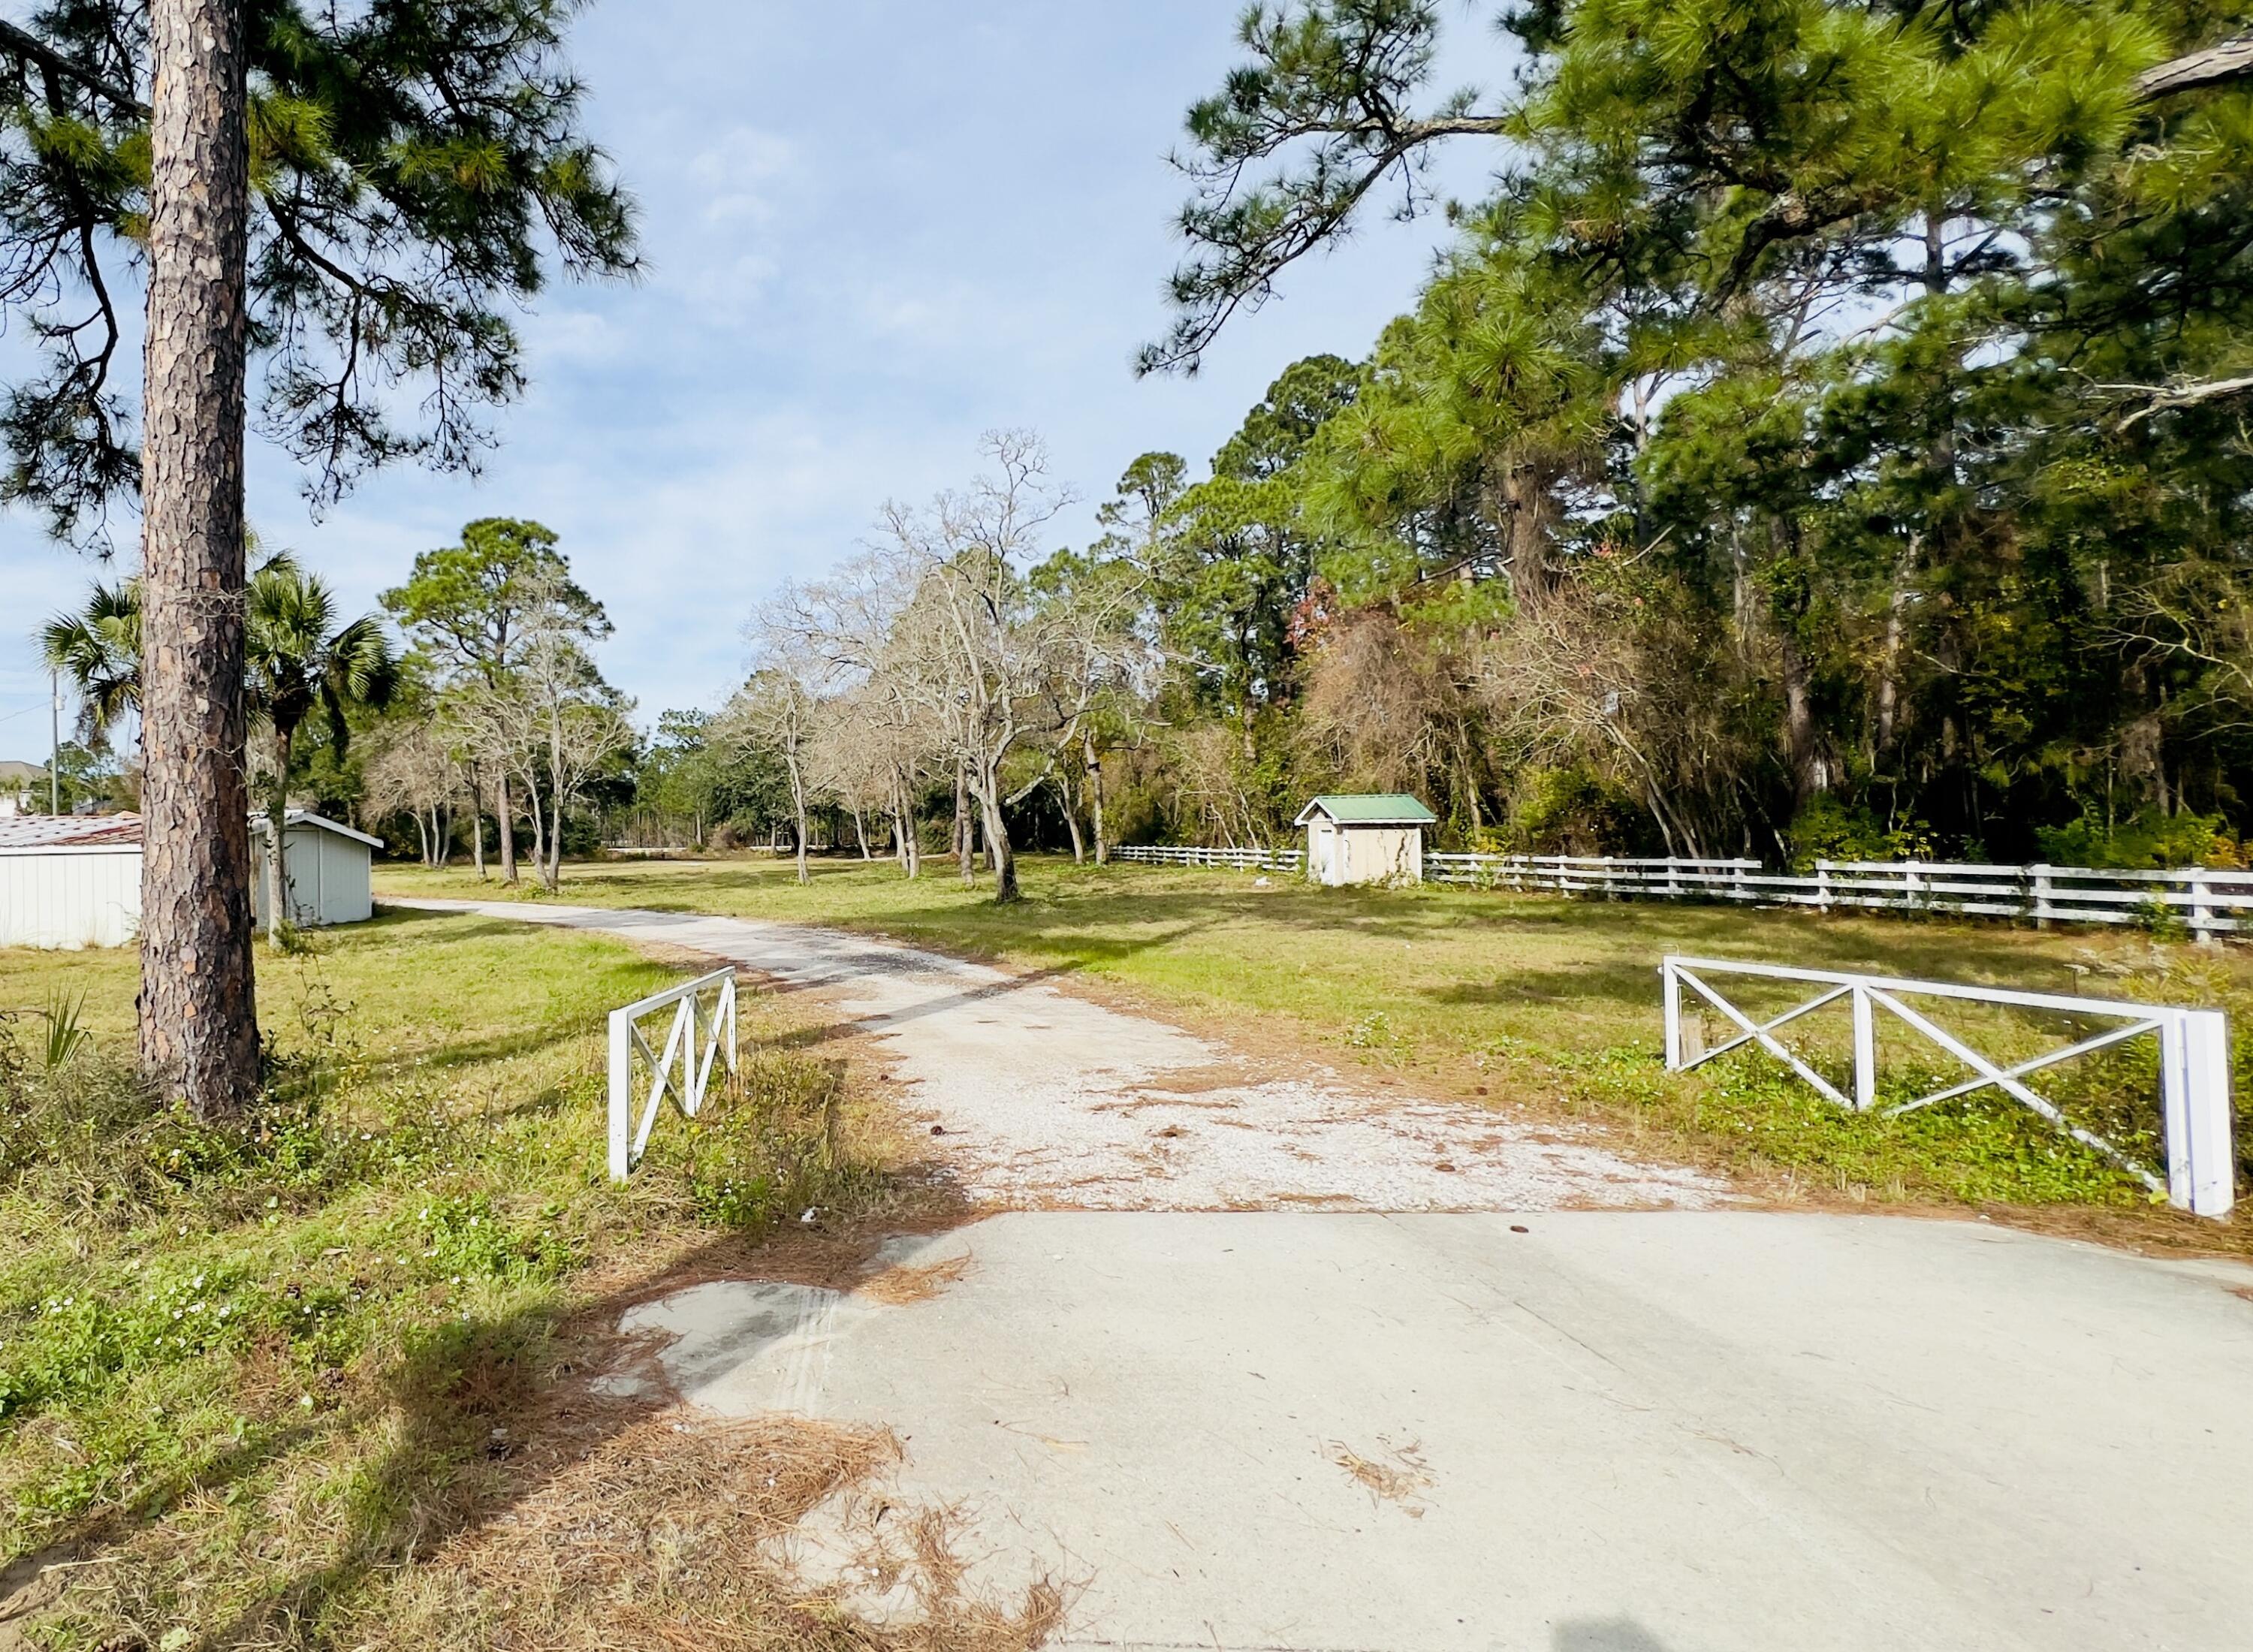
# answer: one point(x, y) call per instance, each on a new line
point(2220, 64)
point(28, 47)
point(2166, 398)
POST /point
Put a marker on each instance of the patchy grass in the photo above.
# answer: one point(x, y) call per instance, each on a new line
point(316, 1381)
point(1544, 1005)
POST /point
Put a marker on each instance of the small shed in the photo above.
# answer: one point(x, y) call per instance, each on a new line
point(74, 880)
point(328, 865)
point(70, 881)
point(1370, 838)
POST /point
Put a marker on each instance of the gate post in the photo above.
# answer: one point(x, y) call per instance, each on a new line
point(621, 1120)
point(1866, 1052)
point(1673, 988)
point(2195, 1081)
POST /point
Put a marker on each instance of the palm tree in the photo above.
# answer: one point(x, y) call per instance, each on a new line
point(98, 649)
point(298, 664)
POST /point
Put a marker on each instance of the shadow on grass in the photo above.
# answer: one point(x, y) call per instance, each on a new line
point(479, 1416)
point(1631, 985)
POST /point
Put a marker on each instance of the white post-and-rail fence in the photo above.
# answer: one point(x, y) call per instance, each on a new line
point(2193, 1060)
point(698, 1038)
point(2206, 902)
point(1189, 854)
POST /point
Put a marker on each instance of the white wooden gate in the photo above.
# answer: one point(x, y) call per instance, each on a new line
point(2193, 1061)
point(682, 1072)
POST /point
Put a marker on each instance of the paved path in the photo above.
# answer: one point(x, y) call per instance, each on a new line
point(1411, 1427)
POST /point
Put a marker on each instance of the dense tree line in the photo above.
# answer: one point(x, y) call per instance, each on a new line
point(1829, 437)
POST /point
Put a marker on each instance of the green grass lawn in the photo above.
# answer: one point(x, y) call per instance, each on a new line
point(1541, 1003)
point(247, 1374)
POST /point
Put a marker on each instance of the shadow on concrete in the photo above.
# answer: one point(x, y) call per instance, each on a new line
point(1606, 1634)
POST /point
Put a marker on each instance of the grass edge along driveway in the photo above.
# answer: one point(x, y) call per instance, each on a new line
point(1542, 1005)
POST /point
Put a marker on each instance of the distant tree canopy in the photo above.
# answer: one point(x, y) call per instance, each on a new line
point(1828, 436)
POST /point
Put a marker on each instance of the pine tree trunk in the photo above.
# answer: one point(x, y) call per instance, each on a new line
point(477, 831)
point(1801, 738)
point(199, 1022)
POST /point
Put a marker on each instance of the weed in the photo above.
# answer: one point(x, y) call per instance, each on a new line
point(768, 1147)
point(66, 1030)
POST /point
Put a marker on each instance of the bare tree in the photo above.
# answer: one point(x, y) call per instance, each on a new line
point(970, 642)
point(414, 771)
point(578, 724)
point(949, 632)
point(775, 712)
point(848, 757)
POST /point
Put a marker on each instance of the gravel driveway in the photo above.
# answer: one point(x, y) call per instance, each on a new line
point(1045, 1100)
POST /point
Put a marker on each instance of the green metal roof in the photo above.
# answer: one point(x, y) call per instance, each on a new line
point(1373, 808)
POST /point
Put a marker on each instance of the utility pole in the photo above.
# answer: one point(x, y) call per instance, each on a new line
point(54, 742)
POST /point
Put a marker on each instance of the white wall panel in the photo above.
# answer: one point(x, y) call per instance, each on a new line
point(70, 897)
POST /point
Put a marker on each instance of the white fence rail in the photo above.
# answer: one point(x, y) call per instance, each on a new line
point(683, 1072)
point(1241, 860)
point(2204, 901)
point(2193, 1060)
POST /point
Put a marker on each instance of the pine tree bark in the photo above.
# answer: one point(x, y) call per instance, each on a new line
point(199, 1022)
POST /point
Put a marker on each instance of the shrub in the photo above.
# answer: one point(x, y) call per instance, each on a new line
point(2151, 840)
point(767, 1148)
point(1828, 829)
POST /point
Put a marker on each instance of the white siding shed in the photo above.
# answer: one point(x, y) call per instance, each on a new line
point(1375, 838)
point(328, 864)
point(73, 880)
point(70, 881)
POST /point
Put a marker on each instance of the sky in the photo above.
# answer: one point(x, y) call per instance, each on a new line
point(874, 230)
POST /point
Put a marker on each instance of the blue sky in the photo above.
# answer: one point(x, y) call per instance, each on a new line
point(873, 231)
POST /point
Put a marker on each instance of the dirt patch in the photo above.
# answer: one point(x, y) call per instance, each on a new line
point(666, 1534)
point(1397, 1474)
point(905, 1284)
point(685, 959)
